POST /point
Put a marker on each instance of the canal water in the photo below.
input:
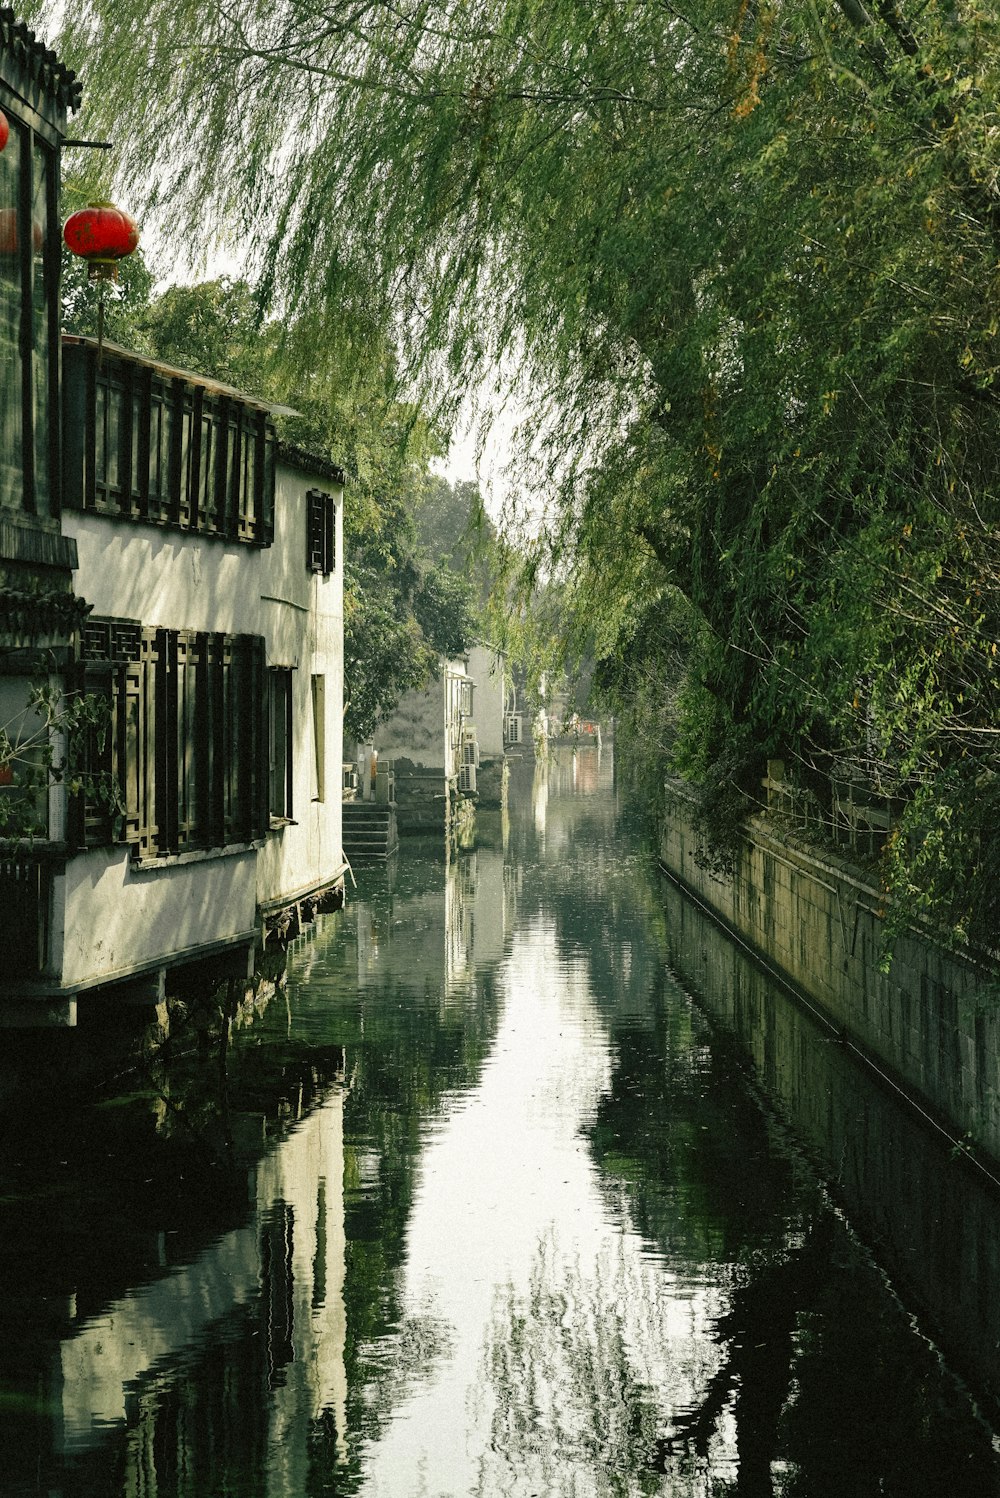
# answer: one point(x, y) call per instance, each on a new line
point(529, 1183)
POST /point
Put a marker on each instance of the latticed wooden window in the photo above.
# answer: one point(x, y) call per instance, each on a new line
point(187, 742)
point(29, 312)
point(144, 443)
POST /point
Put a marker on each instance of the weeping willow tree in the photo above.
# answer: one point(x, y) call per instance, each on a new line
point(740, 259)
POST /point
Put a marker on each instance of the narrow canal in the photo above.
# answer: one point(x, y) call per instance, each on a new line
point(529, 1184)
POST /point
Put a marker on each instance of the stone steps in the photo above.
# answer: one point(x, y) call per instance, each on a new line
point(369, 831)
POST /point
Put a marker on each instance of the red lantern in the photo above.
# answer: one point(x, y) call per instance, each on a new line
point(4, 130)
point(102, 235)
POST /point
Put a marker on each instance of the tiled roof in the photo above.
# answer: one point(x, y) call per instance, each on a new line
point(310, 462)
point(34, 65)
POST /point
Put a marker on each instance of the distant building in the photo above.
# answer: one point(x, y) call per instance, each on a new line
point(448, 742)
point(498, 726)
point(432, 743)
point(168, 567)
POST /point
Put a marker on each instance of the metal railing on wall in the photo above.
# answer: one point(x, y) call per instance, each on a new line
point(849, 814)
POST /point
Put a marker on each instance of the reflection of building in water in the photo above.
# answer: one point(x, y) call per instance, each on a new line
point(568, 771)
point(587, 766)
point(540, 795)
point(575, 769)
point(498, 726)
point(275, 1288)
point(439, 938)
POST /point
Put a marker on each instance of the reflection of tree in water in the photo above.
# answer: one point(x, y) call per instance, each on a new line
point(822, 1383)
point(575, 1375)
point(757, 1333)
point(683, 1139)
point(409, 1053)
point(122, 1172)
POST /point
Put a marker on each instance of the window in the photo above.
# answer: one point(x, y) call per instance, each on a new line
point(24, 777)
point(145, 444)
point(29, 310)
point(186, 743)
point(11, 302)
point(280, 742)
point(319, 735)
point(321, 530)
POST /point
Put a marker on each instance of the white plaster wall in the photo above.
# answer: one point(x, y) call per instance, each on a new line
point(117, 916)
point(426, 726)
point(455, 674)
point(303, 624)
point(164, 578)
point(486, 667)
point(416, 729)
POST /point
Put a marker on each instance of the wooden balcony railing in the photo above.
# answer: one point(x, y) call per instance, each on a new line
point(143, 441)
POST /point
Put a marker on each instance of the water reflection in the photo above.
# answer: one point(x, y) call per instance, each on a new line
point(504, 1212)
point(287, 1263)
point(440, 935)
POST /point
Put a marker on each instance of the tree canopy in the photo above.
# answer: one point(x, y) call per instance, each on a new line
point(740, 257)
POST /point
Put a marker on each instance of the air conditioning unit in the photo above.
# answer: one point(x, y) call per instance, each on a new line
point(512, 728)
point(467, 779)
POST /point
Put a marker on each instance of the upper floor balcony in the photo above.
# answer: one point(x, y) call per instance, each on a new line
point(144, 441)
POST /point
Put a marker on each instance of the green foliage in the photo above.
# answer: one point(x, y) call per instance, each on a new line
point(126, 301)
point(443, 609)
point(48, 741)
point(214, 328)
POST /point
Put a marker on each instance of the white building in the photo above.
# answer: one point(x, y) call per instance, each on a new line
point(217, 637)
point(447, 742)
point(432, 744)
point(498, 726)
point(167, 566)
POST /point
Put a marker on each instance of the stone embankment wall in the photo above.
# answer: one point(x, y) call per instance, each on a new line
point(932, 1022)
point(932, 1213)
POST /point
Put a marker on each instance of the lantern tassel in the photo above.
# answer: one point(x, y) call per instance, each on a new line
point(100, 329)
